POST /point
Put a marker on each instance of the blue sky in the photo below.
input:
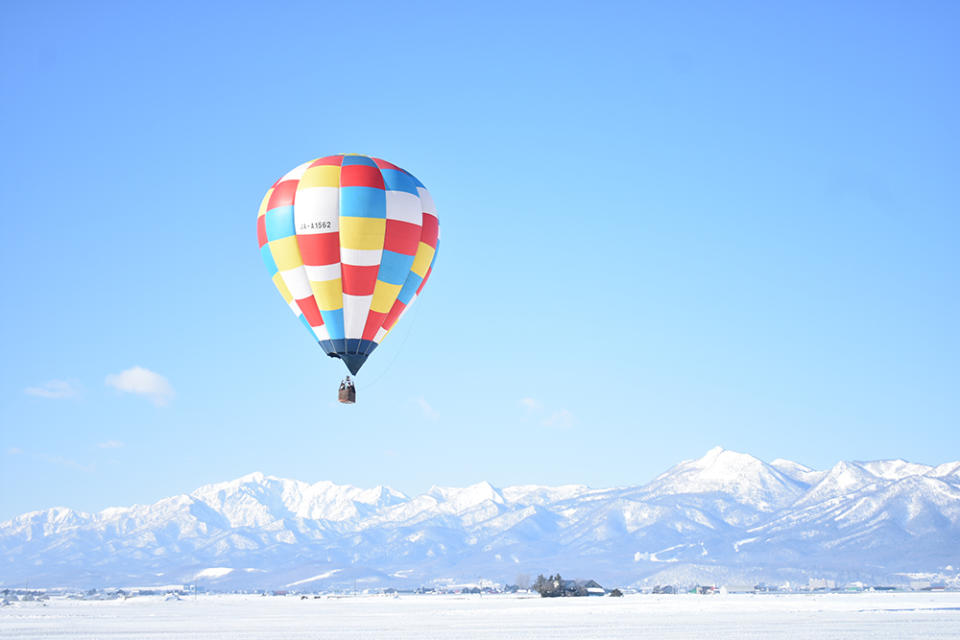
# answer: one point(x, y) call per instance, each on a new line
point(665, 226)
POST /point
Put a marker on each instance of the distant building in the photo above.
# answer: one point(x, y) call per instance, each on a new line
point(557, 587)
point(821, 584)
point(592, 588)
point(738, 588)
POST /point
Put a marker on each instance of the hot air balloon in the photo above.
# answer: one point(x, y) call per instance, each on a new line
point(349, 241)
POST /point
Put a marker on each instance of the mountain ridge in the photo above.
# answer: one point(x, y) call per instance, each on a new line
point(725, 513)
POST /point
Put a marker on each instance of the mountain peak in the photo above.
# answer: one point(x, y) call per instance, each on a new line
point(895, 469)
point(841, 479)
point(723, 458)
point(715, 452)
point(467, 497)
point(739, 474)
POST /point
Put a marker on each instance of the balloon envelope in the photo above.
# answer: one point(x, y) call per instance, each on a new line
point(349, 241)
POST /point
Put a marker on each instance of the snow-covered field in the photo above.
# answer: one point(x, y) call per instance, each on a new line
point(862, 615)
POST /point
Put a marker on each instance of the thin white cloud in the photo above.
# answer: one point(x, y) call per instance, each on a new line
point(110, 444)
point(562, 419)
point(556, 419)
point(60, 461)
point(55, 389)
point(531, 404)
point(428, 411)
point(142, 382)
point(14, 451)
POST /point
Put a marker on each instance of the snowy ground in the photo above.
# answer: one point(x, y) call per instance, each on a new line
point(865, 615)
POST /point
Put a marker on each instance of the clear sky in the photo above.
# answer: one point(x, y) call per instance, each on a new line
point(665, 226)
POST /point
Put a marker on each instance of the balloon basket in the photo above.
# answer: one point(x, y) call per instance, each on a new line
point(347, 393)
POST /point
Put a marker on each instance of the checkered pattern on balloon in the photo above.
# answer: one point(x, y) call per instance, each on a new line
point(349, 241)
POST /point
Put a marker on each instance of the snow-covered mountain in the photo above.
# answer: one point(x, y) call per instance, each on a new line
point(724, 517)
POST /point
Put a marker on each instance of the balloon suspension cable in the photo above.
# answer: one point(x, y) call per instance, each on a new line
point(412, 322)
